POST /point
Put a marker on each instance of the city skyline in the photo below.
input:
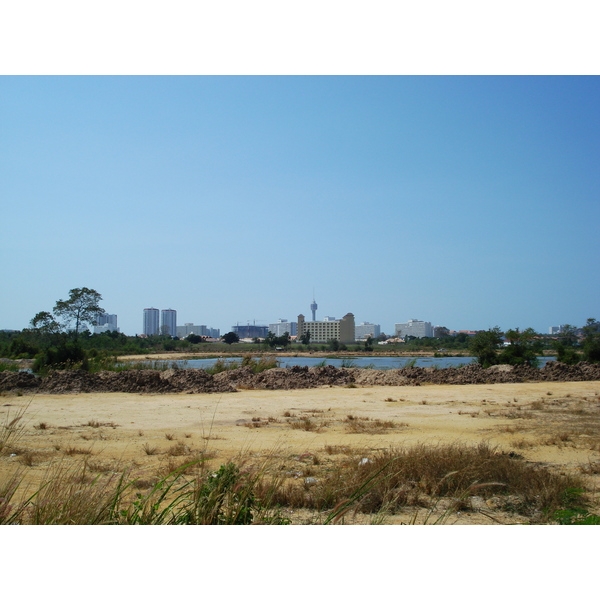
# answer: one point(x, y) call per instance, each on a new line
point(468, 202)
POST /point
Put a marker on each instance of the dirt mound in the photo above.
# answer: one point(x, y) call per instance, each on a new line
point(17, 380)
point(583, 371)
point(195, 381)
point(287, 379)
point(134, 381)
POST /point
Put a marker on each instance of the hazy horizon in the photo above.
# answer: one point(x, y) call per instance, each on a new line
point(468, 202)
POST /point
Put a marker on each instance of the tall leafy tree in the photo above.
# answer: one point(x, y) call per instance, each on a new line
point(80, 309)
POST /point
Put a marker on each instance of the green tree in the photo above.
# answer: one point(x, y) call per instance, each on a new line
point(231, 338)
point(283, 340)
point(305, 338)
point(44, 324)
point(333, 345)
point(591, 344)
point(485, 344)
point(568, 335)
point(270, 340)
point(81, 308)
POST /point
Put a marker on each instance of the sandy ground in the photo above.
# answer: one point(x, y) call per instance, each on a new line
point(533, 419)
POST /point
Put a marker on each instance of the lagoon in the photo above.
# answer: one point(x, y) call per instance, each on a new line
point(365, 362)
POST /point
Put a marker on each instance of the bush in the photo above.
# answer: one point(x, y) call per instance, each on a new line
point(65, 355)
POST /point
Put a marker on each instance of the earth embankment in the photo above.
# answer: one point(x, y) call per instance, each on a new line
point(195, 381)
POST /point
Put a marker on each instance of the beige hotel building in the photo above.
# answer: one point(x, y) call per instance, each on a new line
point(323, 331)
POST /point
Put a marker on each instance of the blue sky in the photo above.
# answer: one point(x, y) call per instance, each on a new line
point(469, 202)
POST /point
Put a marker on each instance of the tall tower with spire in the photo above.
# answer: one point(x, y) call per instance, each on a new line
point(313, 308)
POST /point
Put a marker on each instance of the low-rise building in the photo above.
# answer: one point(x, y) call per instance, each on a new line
point(341, 330)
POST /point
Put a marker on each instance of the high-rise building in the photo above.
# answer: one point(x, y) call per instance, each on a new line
point(168, 322)
point(106, 322)
point(418, 329)
point(151, 321)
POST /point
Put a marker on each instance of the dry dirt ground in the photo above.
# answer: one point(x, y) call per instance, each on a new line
point(557, 424)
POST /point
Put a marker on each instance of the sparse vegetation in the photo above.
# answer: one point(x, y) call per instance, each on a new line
point(150, 450)
point(366, 425)
point(240, 493)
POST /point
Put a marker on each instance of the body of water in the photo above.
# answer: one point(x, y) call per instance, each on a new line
point(372, 362)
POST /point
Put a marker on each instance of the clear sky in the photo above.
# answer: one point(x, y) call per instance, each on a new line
point(469, 202)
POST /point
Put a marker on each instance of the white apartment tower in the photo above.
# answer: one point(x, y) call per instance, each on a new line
point(151, 321)
point(168, 322)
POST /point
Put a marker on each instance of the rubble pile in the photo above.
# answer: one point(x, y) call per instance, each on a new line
point(197, 381)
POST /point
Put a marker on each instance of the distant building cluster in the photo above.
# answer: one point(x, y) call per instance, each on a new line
point(190, 329)
point(168, 322)
point(344, 330)
point(164, 322)
point(106, 322)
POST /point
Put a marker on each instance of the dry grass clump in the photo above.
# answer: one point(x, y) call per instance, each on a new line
point(74, 450)
point(150, 450)
point(365, 425)
point(329, 449)
point(308, 424)
point(179, 449)
point(96, 424)
point(31, 458)
point(12, 430)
